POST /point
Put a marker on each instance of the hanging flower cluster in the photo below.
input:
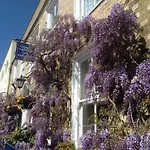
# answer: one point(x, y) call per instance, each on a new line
point(120, 64)
point(53, 54)
point(117, 56)
point(103, 140)
point(111, 38)
point(140, 84)
point(55, 48)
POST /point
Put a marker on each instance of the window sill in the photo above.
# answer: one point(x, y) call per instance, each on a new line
point(96, 99)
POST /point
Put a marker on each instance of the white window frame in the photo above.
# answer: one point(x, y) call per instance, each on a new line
point(77, 101)
point(22, 68)
point(79, 8)
point(76, 95)
point(52, 12)
point(30, 67)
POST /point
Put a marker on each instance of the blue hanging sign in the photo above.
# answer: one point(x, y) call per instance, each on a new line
point(9, 147)
point(22, 51)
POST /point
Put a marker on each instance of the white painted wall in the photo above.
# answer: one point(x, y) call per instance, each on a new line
point(7, 65)
point(77, 110)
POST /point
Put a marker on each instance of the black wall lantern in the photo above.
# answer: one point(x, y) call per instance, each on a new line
point(20, 82)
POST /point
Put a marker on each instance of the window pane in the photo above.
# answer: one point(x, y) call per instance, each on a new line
point(84, 71)
point(88, 117)
point(52, 12)
point(102, 115)
point(96, 1)
point(87, 127)
point(97, 110)
point(88, 5)
point(100, 106)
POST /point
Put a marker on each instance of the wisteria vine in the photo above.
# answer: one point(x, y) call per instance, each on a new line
point(119, 69)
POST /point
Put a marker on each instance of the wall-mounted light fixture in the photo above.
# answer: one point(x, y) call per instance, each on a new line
point(20, 82)
point(13, 84)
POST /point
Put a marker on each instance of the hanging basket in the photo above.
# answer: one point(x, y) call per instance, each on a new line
point(26, 102)
point(13, 110)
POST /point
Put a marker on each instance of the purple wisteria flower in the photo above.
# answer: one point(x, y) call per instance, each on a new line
point(100, 137)
point(140, 84)
point(87, 140)
point(22, 146)
point(145, 141)
point(66, 135)
point(111, 38)
point(132, 141)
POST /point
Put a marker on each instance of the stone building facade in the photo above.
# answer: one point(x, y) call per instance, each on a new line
point(43, 18)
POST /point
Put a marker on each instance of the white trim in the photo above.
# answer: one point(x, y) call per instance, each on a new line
point(52, 12)
point(55, 10)
point(30, 68)
point(95, 113)
point(77, 9)
point(22, 68)
point(75, 100)
point(80, 129)
point(77, 120)
point(82, 9)
point(50, 20)
point(77, 105)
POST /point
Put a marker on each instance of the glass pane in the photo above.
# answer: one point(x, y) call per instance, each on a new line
point(88, 112)
point(87, 127)
point(97, 110)
point(100, 107)
point(88, 5)
point(102, 115)
point(84, 71)
point(88, 117)
point(96, 1)
point(53, 8)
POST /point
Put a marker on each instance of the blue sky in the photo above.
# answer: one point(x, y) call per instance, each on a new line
point(14, 18)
